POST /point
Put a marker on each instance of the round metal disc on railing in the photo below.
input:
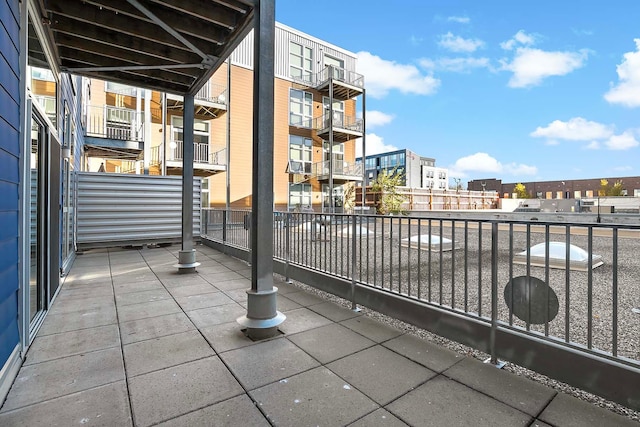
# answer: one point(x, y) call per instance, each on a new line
point(531, 300)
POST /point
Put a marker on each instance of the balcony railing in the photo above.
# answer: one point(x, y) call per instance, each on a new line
point(340, 122)
point(212, 93)
point(115, 123)
point(321, 169)
point(201, 153)
point(475, 280)
point(339, 74)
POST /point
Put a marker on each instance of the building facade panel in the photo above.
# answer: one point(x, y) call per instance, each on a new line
point(9, 161)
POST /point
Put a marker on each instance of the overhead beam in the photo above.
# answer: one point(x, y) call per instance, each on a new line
point(213, 13)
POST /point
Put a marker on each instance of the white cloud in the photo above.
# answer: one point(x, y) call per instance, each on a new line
point(383, 76)
point(378, 118)
point(624, 141)
point(455, 65)
point(375, 145)
point(531, 66)
point(520, 38)
point(623, 168)
point(593, 145)
point(459, 19)
point(576, 129)
point(459, 44)
point(484, 163)
point(627, 91)
point(415, 40)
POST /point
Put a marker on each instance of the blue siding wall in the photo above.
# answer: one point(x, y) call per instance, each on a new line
point(9, 175)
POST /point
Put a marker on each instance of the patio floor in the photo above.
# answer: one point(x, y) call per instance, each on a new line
point(129, 341)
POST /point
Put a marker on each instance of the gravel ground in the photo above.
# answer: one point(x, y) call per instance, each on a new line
point(462, 279)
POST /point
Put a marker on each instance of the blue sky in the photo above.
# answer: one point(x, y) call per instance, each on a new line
point(517, 90)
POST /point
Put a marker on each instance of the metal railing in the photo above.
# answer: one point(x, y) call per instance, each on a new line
point(115, 123)
point(475, 281)
point(201, 153)
point(338, 74)
point(340, 121)
point(339, 168)
point(212, 93)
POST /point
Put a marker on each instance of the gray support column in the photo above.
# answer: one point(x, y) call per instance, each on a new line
point(187, 256)
point(364, 146)
point(331, 204)
point(262, 318)
point(147, 131)
point(163, 151)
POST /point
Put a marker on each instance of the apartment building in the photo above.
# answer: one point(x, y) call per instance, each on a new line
point(418, 171)
point(131, 130)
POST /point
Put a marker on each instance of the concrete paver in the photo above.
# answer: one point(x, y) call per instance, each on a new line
point(315, 397)
point(175, 391)
point(189, 363)
point(380, 373)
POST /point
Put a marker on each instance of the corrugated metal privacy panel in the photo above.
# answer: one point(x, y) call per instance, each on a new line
point(122, 209)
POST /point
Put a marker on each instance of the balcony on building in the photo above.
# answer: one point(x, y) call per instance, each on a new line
point(207, 160)
point(114, 132)
point(346, 84)
point(342, 171)
point(344, 128)
point(210, 102)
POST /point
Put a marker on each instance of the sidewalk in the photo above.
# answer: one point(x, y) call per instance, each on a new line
point(128, 341)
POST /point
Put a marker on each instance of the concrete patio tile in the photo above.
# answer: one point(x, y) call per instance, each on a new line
point(333, 311)
point(89, 275)
point(302, 319)
point(60, 377)
point(142, 276)
point(518, 392)
point(84, 261)
point(284, 287)
point(304, 298)
point(214, 278)
point(184, 291)
point(443, 402)
point(168, 393)
point(372, 329)
point(316, 397)
point(154, 327)
point(102, 406)
point(424, 352)
point(101, 290)
point(57, 323)
point(175, 280)
point(147, 309)
point(213, 268)
point(379, 418)
point(216, 315)
point(69, 305)
point(538, 423)
point(226, 336)
point(159, 353)
point(147, 285)
point(380, 373)
point(196, 302)
point(246, 272)
point(237, 411)
point(152, 295)
point(240, 296)
point(227, 285)
point(285, 304)
point(565, 410)
point(66, 344)
point(331, 342)
point(266, 362)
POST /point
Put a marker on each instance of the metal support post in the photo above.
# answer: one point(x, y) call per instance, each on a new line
point(187, 256)
point(354, 306)
point(262, 318)
point(331, 201)
point(364, 146)
point(494, 298)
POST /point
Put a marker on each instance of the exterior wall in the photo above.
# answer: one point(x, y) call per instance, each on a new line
point(9, 176)
point(566, 189)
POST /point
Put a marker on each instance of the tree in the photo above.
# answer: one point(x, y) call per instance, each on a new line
point(386, 184)
point(349, 197)
point(607, 189)
point(521, 191)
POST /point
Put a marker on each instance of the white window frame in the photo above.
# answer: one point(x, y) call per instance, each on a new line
point(338, 111)
point(122, 89)
point(305, 147)
point(302, 194)
point(305, 102)
point(305, 70)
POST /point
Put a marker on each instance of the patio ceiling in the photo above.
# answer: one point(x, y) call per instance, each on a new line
point(167, 45)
